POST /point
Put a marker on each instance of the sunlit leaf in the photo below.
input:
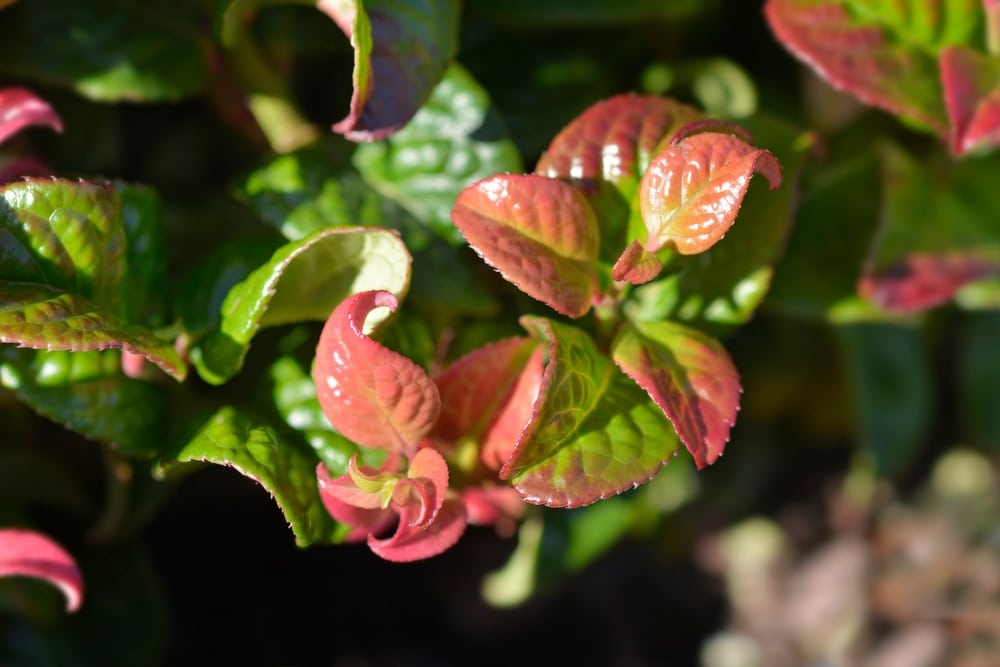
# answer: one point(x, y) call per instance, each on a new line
point(540, 233)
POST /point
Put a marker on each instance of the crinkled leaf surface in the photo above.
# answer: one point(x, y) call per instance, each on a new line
point(20, 108)
point(25, 553)
point(105, 51)
point(303, 281)
point(540, 233)
point(938, 231)
point(255, 450)
point(372, 395)
point(66, 249)
point(689, 375)
point(691, 192)
point(594, 432)
point(402, 49)
point(454, 140)
point(971, 83)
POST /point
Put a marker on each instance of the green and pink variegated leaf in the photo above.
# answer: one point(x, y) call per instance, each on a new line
point(593, 433)
point(540, 233)
point(971, 83)
point(689, 375)
point(402, 48)
point(488, 395)
point(692, 191)
point(20, 108)
point(25, 553)
point(372, 395)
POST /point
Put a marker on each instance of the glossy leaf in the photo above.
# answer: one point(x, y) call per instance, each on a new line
point(25, 553)
point(373, 396)
point(690, 376)
point(692, 191)
point(20, 108)
point(402, 49)
point(971, 82)
point(540, 233)
point(303, 281)
point(454, 140)
point(256, 451)
point(636, 265)
point(594, 433)
point(127, 55)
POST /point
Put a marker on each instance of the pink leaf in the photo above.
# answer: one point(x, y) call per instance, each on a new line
point(29, 554)
point(24, 167)
point(20, 108)
point(411, 543)
point(540, 233)
point(370, 394)
point(613, 140)
point(922, 281)
point(363, 522)
point(692, 191)
point(636, 265)
point(429, 469)
point(690, 376)
point(971, 82)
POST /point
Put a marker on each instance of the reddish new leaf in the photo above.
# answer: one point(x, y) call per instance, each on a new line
point(614, 140)
point(364, 521)
point(24, 553)
point(971, 82)
point(370, 394)
point(636, 265)
point(540, 233)
point(922, 281)
point(692, 191)
point(409, 543)
point(20, 108)
point(690, 376)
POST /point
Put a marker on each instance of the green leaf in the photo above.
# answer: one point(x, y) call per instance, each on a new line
point(115, 51)
point(402, 49)
point(146, 295)
point(86, 392)
point(594, 433)
point(256, 451)
point(454, 140)
point(978, 369)
point(303, 281)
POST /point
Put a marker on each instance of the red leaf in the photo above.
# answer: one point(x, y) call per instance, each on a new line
point(363, 521)
point(690, 376)
point(540, 233)
point(410, 543)
point(636, 265)
point(20, 108)
point(692, 191)
point(370, 394)
point(613, 140)
point(971, 82)
point(923, 281)
point(26, 553)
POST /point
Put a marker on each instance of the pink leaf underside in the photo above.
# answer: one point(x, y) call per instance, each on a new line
point(636, 265)
point(20, 108)
point(493, 505)
point(923, 281)
point(692, 191)
point(370, 394)
point(971, 82)
point(411, 543)
point(691, 377)
point(489, 394)
point(539, 233)
point(429, 469)
point(857, 59)
point(25, 167)
point(363, 522)
point(26, 553)
point(614, 139)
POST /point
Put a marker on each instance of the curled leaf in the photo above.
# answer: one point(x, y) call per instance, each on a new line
point(20, 108)
point(636, 265)
point(692, 191)
point(25, 553)
point(971, 82)
point(370, 394)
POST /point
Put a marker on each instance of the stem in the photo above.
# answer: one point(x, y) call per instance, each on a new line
point(117, 487)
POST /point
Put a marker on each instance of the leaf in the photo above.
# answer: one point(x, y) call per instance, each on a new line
point(636, 265)
point(689, 375)
point(978, 366)
point(402, 49)
point(587, 12)
point(540, 233)
point(594, 433)
point(86, 392)
point(692, 191)
point(105, 53)
point(371, 395)
point(65, 252)
point(26, 553)
point(256, 451)
point(303, 281)
point(454, 140)
point(20, 108)
point(971, 82)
